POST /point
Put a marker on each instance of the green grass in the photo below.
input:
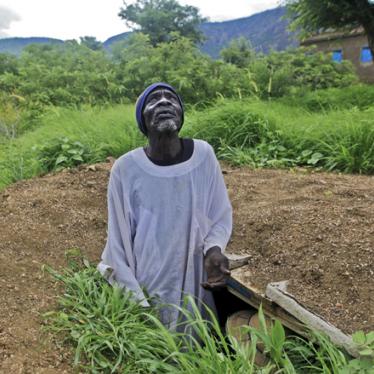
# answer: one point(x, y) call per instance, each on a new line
point(112, 333)
point(356, 96)
point(272, 134)
point(251, 132)
point(102, 130)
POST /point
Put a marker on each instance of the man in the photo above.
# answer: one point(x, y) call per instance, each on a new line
point(169, 216)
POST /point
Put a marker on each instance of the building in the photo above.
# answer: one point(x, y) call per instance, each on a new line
point(352, 46)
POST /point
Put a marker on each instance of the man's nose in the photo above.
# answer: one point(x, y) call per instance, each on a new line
point(163, 100)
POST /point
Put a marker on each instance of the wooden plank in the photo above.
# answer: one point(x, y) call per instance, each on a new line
point(236, 261)
point(278, 294)
point(254, 298)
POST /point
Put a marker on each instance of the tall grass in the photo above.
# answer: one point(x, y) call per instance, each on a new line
point(274, 134)
point(254, 132)
point(359, 96)
point(103, 130)
point(112, 333)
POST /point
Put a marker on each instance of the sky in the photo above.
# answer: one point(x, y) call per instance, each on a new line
point(70, 19)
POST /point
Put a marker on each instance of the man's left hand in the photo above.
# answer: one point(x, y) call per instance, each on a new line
point(217, 267)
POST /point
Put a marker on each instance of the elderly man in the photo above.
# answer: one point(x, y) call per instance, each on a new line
point(169, 216)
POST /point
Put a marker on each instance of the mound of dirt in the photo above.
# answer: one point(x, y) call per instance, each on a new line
point(316, 230)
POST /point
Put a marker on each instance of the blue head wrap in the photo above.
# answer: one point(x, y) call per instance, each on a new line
point(142, 99)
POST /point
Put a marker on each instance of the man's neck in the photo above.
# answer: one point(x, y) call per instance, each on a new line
point(163, 147)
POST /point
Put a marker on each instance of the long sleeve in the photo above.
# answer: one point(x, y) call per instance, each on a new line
point(117, 264)
point(220, 210)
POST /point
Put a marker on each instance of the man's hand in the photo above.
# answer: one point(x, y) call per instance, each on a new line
point(217, 267)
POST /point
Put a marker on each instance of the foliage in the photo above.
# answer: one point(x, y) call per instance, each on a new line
point(8, 63)
point(68, 74)
point(244, 132)
point(239, 52)
point(17, 116)
point(159, 19)
point(281, 73)
point(275, 135)
point(104, 131)
point(112, 333)
point(63, 153)
point(228, 123)
point(365, 363)
point(351, 149)
point(198, 78)
point(91, 42)
point(312, 15)
point(9, 118)
point(73, 74)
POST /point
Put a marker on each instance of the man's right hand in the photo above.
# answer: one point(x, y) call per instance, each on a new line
point(217, 267)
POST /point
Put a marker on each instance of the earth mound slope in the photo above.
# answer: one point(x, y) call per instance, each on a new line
point(314, 229)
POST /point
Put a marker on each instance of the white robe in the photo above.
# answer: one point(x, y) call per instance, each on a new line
point(161, 222)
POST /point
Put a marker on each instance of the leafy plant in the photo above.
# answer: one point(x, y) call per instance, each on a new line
point(308, 157)
point(64, 153)
point(365, 346)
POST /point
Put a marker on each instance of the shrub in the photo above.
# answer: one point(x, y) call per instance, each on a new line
point(231, 123)
point(64, 153)
point(280, 73)
point(17, 115)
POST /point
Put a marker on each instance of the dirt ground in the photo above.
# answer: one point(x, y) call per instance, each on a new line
point(314, 229)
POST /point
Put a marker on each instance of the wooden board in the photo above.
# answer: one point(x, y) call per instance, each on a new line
point(279, 304)
point(236, 261)
point(254, 298)
point(277, 293)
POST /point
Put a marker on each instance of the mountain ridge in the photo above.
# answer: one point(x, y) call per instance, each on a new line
point(16, 44)
point(266, 30)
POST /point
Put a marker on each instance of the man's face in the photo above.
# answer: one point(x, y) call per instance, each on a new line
point(162, 111)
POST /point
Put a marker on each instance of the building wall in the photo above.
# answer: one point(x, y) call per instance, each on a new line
point(351, 47)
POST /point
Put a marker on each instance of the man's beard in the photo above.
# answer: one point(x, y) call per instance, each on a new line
point(167, 125)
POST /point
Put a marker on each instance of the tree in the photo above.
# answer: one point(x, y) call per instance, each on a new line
point(312, 15)
point(91, 42)
point(239, 52)
point(160, 18)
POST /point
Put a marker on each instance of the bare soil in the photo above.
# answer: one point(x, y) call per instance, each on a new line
point(314, 229)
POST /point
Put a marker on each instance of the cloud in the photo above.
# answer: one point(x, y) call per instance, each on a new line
point(7, 16)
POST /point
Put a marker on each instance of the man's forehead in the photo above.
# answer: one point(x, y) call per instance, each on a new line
point(160, 91)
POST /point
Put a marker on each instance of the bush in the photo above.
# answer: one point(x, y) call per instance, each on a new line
point(17, 116)
point(280, 73)
point(231, 123)
point(63, 153)
point(72, 74)
point(197, 77)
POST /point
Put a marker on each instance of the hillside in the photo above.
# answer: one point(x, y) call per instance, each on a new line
point(16, 45)
point(116, 38)
point(266, 30)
